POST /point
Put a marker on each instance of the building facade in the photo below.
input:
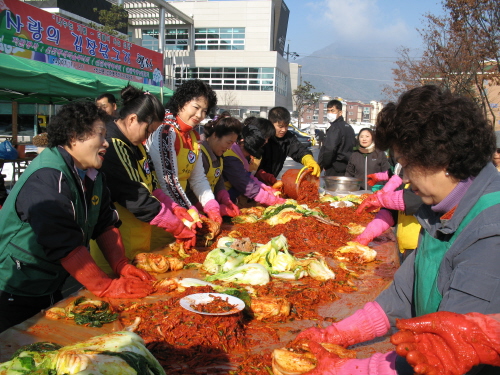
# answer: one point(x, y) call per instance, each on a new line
point(235, 46)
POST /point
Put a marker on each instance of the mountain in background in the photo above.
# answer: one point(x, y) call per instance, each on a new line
point(366, 70)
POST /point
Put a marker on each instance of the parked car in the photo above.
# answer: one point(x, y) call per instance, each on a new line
point(306, 140)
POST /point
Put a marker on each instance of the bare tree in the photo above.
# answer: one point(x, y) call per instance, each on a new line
point(461, 52)
point(229, 101)
point(305, 100)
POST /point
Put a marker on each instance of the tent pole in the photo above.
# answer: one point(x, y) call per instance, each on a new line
point(15, 107)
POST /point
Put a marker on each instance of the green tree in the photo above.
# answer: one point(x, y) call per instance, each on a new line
point(115, 18)
point(305, 99)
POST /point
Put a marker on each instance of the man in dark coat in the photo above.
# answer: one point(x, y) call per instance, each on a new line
point(339, 142)
point(282, 145)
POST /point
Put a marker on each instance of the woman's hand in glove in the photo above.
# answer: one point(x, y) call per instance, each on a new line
point(131, 271)
point(212, 209)
point(391, 200)
point(377, 177)
point(448, 343)
point(127, 287)
point(328, 363)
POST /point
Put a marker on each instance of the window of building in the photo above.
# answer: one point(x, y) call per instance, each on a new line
point(240, 78)
point(219, 38)
point(175, 39)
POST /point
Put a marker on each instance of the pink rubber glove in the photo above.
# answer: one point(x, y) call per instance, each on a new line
point(178, 211)
point(391, 200)
point(212, 209)
point(391, 185)
point(264, 197)
point(365, 324)
point(332, 364)
point(227, 207)
point(383, 220)
point(377, 177)
point(168, 221)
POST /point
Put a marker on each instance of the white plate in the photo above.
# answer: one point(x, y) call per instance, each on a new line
point(202, 298)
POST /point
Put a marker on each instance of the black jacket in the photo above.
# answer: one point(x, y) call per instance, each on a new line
point(121, 169)
point(276, 150)
point(376, 161)
point(337, 148)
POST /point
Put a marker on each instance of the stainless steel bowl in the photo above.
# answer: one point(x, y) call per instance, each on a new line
point(337, 183)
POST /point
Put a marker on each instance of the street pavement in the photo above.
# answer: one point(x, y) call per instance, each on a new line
point(290, 164)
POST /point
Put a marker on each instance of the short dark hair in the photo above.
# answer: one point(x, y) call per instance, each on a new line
point(188, 91)
point(335, 103)
point(111, 98)
point(255, 133)
point(369, 131)
point(146, 106)
point(279, 114)
point(73, 121)
point(435, 129)
point(223, 126)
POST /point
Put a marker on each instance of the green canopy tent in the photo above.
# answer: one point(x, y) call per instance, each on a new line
point(28, 81)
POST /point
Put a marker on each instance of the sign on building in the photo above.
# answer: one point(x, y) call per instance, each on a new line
point(32, 33)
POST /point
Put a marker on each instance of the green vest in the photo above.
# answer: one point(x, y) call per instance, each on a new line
point(430, 255)
point(25, 269)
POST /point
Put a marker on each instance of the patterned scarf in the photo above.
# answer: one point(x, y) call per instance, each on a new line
point(168, 155)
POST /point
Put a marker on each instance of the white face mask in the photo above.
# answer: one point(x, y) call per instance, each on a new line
point(331, 117)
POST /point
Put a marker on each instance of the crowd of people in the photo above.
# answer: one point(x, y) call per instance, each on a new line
point(115, 182)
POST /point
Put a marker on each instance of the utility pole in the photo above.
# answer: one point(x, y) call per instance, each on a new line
point(288, 53)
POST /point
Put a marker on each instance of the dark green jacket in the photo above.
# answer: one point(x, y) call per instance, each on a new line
point(25, 268)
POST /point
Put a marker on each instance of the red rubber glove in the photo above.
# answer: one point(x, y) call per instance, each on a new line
point(267, 178)
point(212, 209)
point(227, 207)
point(111, 245)
point(365, 324)
point(446, 343)
point(168, 221)
point(391, 200)
point(82, 267)
point(269, 199)
point(377, 177)
point(383, 220)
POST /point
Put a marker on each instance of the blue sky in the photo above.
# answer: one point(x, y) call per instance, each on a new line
point(357, 24)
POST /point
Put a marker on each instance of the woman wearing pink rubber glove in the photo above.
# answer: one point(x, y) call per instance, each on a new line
point(239, 180)
point(220, 135)
point(175, 148)
point(444, 144)
point(132, 181)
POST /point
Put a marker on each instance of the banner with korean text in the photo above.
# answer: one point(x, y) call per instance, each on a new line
point(32, 33)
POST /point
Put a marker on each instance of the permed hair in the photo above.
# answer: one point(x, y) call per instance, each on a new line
point(222, 127)
point(146, 106)
point(73, 121)
point(436, 129)
point(280, 115)
point(188, 91)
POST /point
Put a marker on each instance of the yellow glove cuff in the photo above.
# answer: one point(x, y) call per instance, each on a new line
point(307, 160)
